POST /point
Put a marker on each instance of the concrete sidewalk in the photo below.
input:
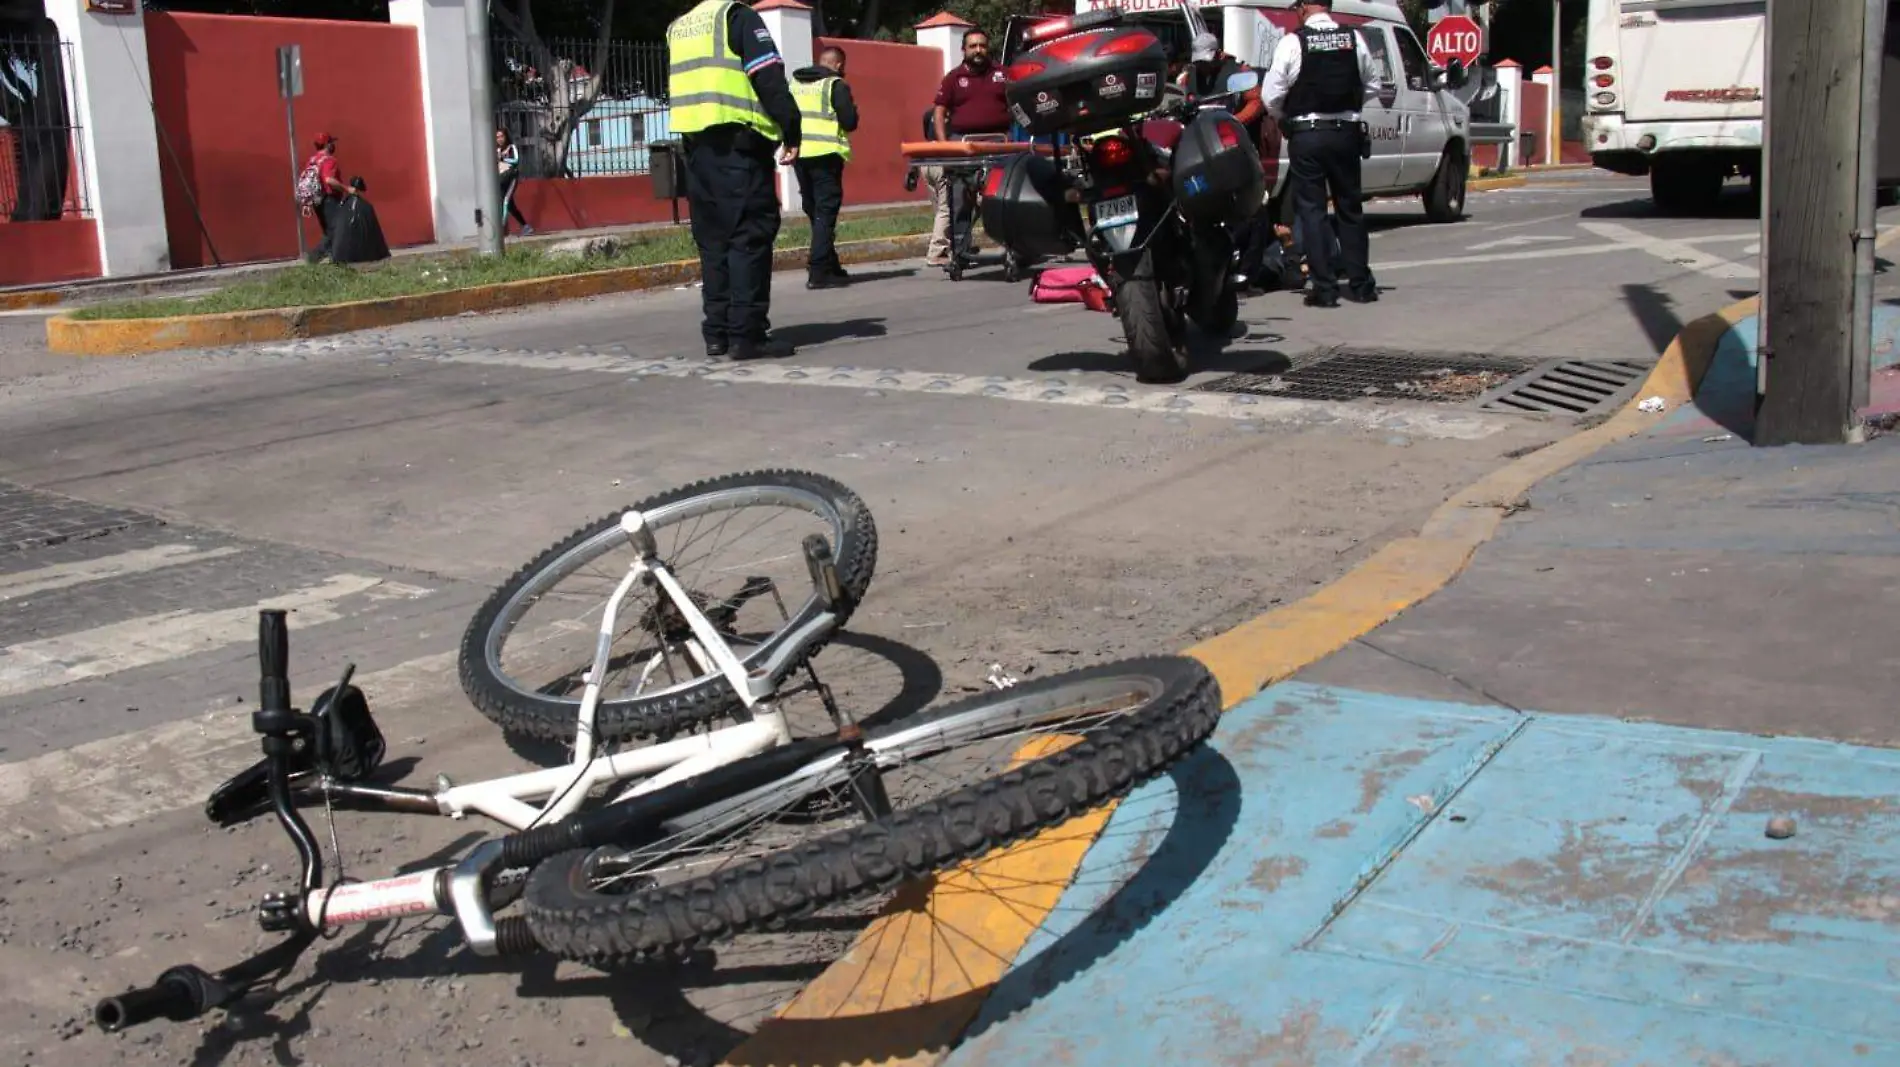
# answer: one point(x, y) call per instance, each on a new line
point(1526, 822)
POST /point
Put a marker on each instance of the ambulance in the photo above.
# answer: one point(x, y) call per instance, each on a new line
point(1421, 129)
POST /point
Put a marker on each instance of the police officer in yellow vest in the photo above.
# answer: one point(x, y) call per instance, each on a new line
point(731, 105)
point(829, 115)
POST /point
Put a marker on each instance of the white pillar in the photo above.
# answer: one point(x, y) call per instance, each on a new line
point(790, 24)
point(1511, 108)
point(448, 131)
point(118, 142)
point(1553, 151)
point(944, 32)
point(1237, 32)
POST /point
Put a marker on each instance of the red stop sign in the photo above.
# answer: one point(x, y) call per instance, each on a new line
point(1455, 37)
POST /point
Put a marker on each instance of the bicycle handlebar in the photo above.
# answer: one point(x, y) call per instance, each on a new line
point(273, 654)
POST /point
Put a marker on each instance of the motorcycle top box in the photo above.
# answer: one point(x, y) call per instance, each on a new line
point(1023, 208)
point(1087, 81)
point(1217, 176)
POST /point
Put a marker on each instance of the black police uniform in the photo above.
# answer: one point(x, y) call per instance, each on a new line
point(732, 186)
point(1325, 155)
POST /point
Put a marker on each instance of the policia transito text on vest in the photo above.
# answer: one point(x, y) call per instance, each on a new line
point(829, 114)
point(731, 105)
point(1320, 79)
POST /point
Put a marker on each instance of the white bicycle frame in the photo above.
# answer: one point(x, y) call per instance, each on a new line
point(562, 790)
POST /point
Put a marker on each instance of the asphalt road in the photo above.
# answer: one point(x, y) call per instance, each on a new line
point(1038, 510)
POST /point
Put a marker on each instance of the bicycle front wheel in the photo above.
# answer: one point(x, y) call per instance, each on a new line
point(1061, 745)
point(735, 543)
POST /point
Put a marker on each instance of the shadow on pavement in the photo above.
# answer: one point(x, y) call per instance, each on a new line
point(1654, 310)
point(883, 275)
point(1736, 202)
point(1205, 357)
point(809, 334)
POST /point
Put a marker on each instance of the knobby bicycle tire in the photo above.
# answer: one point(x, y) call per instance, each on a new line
point(707, 697)
point(569, 917)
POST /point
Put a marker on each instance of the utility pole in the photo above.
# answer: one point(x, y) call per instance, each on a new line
point(1556, 81)
point(1824, 90)
point(481, 106)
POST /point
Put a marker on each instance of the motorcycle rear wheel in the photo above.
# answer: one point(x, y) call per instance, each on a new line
point(1157, 333)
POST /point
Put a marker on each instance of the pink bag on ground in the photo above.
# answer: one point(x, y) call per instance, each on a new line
point(1065, 285)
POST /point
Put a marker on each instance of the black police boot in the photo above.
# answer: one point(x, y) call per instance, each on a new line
point(760, 348)
point(1363, 292)
point(716, 350)
point(1317, 299)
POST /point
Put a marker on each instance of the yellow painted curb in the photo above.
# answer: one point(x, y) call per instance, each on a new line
point(915, 979)
point(1502, 181)
point(28, 299)
point(125, 337)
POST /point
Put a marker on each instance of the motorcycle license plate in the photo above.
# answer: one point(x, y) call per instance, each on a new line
point(1115, 221)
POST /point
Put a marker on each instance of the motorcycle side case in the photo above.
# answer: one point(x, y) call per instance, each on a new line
point(1217, 176)
point(1087, 82)
point(1027, 213)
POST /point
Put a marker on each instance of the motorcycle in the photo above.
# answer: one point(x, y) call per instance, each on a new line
point(1152, 184)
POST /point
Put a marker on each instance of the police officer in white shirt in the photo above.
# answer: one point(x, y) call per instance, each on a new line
point(1319, 79)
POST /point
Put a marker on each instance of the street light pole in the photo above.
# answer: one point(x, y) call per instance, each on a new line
point(481, 105)
point(1556, 131)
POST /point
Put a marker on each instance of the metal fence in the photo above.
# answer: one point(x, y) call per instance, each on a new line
point(42, 159)
point(606, 134)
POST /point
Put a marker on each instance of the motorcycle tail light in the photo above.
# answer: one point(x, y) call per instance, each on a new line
point(1133, 42)
point(993, 182)
point(1229, 135)
point(1113, 152)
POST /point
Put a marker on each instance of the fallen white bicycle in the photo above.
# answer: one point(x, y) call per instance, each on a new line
point(684, 848)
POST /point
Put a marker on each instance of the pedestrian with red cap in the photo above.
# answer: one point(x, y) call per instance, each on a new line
point(320, 188)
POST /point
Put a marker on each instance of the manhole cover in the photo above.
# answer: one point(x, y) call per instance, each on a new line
point(1575, 387)
point(1364, 375)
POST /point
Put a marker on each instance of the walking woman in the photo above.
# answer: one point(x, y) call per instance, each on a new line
point(508, 158)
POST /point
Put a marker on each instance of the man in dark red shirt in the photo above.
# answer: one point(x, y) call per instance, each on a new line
point(970, 101)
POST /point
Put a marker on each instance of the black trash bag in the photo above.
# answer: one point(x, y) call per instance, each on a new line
point(355, 234)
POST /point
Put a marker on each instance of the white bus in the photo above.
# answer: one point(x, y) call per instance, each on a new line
point(1673, 89)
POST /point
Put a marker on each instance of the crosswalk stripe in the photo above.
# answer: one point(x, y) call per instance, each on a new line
point(138, 561)
point(1069, 390)
point(118, 781)
point(140, 642)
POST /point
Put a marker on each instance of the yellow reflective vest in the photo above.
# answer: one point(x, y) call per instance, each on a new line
point(706, 80)
point(821, 135)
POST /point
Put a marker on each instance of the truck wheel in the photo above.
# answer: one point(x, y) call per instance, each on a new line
point(1445, 196)
point(1685, 186)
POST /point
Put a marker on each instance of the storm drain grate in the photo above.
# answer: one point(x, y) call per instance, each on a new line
point(1376, 375)
point(1574, 387)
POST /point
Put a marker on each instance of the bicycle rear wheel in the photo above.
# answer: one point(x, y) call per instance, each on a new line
point(522, 666)
point(1133, 718)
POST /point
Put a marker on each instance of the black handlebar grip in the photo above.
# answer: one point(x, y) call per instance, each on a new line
point(273, 654)
point(170, 997)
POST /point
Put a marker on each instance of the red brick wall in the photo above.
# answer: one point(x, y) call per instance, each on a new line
point(215, 81)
